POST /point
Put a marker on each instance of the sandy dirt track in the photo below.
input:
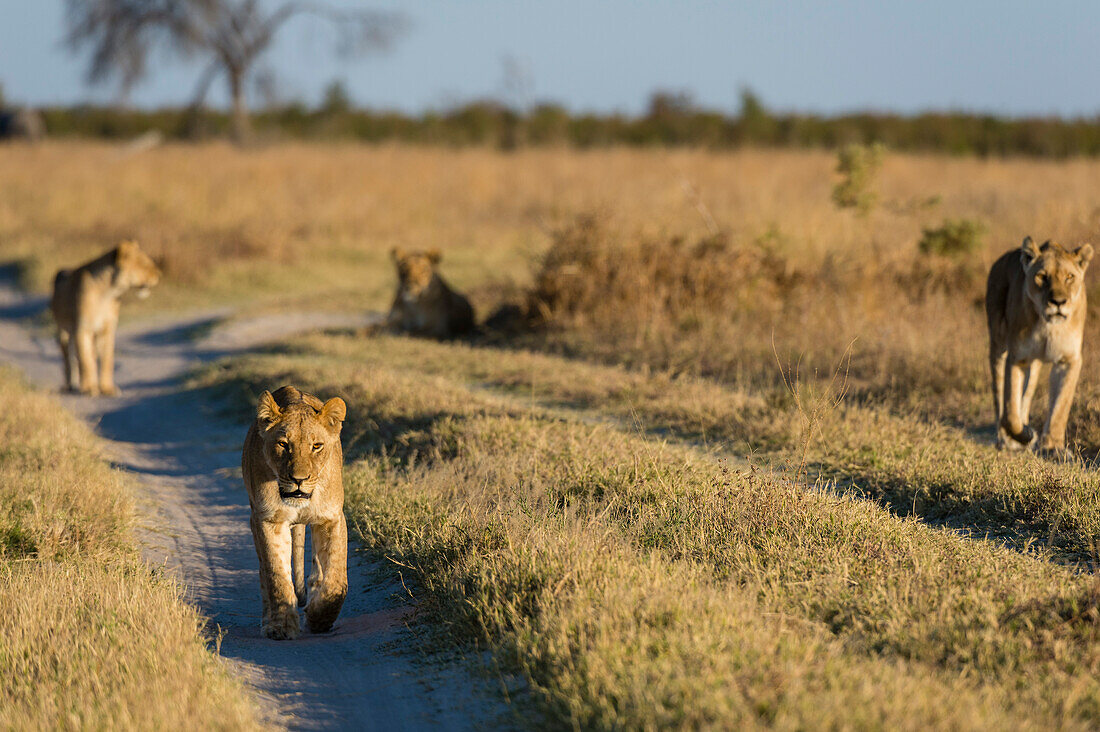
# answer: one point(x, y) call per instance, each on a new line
point(186, 455)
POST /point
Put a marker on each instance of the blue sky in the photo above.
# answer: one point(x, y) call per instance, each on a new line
point(1006, 56)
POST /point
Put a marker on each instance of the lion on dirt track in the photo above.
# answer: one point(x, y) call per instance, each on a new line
point(293, 471)
point(1035, 303)
point(425, 305)
point(85, 306)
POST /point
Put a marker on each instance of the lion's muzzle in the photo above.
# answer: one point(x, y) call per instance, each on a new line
point(295, 489)
point(1053, 313)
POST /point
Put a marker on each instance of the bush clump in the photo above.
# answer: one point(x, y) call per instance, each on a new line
point(956, 238)
point(858, 165)
point(590, 273)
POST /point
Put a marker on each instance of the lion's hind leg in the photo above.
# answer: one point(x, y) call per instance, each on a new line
point(86, 361)
point(105, 350)
point(997, 376)
point(64, 341)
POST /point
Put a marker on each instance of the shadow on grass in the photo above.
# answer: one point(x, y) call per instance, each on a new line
point(1015, 524)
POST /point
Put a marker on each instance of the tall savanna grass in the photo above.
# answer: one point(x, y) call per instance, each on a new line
point(90, 637)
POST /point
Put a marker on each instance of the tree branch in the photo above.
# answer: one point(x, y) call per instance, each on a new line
point(359, 31)
point(198, 99)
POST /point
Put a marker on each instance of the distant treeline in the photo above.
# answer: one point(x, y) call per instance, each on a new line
point(671, 120)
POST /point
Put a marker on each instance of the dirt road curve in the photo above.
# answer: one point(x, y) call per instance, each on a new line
point(187, 457)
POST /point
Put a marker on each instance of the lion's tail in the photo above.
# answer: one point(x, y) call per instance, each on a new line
point(298, 561)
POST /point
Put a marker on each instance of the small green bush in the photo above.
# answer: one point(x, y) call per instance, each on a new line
point(858, 164)
point(953, 238)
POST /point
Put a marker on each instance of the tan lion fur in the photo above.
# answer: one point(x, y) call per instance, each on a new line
point(293, 466)
point(1035, 303)
point(425, 304)
point(85, 306)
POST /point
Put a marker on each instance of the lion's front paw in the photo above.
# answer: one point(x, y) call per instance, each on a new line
point(282, 625)
point(109, 390)
point(322, 613)
point(1010, 442)
point(89, 390)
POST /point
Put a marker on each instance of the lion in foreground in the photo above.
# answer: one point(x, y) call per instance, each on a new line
point(293, 471)
point(1035, 303)
point(425, 305)
point(85, 306)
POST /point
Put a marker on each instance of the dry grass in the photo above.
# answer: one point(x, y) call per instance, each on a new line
point(297, 218)
point(916, 466)
point(639, 515)
point(639, 583)
point(307, 225)
point(90, 638)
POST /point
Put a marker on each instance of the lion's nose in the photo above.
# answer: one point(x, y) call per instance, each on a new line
point(298, 481)
point(1058, 301)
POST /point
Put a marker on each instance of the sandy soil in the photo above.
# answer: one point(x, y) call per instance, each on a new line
point(186, 455)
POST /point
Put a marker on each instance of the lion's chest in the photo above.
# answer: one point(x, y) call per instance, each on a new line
point(1052, 343)
point(311, 512)
point(103, 317)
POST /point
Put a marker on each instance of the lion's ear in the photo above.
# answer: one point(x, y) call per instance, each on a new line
point(334, 412)
point(1029, 250)
point(434, 255)
point(396, 254)
point(126, 249)
point(1084, 255)
point(268, 411)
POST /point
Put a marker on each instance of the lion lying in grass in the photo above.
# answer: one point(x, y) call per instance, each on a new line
point(85, 306)
point(425, 304)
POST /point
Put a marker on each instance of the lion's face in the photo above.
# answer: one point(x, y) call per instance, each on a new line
point(1055, 278)
point(136, 271)
point(301, 442)
point(415, 271)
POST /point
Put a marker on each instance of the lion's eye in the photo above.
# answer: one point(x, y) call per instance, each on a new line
point(1040, 280)
point(282, 444)
point(317, 446)
point(1069, 279)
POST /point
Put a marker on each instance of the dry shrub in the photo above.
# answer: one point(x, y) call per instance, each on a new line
point(728, 306)
point(591, 273)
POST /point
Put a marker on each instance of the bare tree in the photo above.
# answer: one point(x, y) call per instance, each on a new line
point(231, 34)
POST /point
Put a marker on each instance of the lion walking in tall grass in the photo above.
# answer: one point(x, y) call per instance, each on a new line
point(1036, 304)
